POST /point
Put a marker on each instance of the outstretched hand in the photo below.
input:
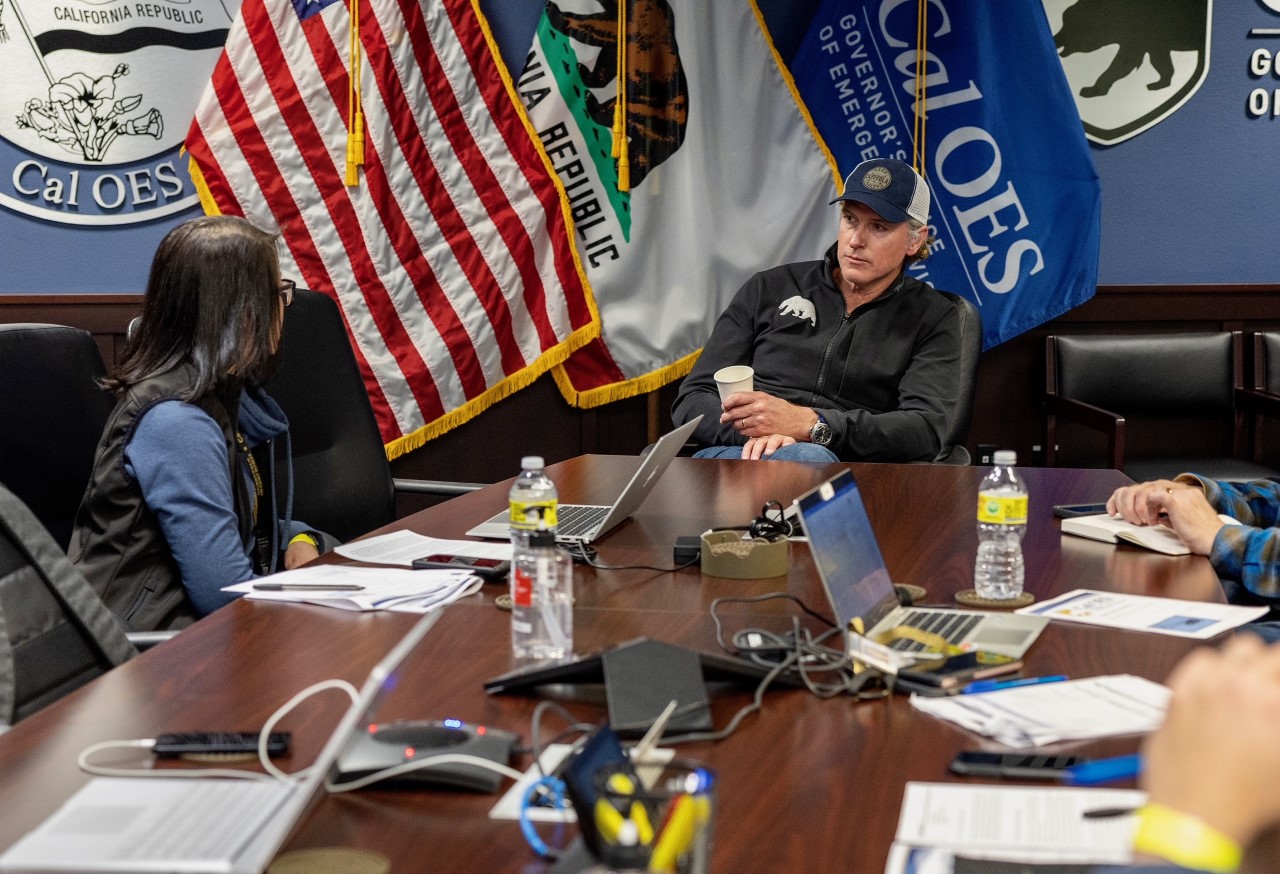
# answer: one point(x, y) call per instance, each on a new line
point(1216, 755)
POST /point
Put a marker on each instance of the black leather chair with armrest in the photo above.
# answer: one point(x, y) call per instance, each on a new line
point(53, 413)
point(1264, 400)
point(1173, 380)
point(958, 421)
point(342, 481)
point(55, 632)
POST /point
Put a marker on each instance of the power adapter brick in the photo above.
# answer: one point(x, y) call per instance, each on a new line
point(688, 549)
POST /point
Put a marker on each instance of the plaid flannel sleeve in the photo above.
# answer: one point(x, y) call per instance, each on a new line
point(1248, 553)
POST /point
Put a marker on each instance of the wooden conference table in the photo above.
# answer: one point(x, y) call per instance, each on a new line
point(805, 782)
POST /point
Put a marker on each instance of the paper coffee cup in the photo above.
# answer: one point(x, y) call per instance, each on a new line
point(737, 377)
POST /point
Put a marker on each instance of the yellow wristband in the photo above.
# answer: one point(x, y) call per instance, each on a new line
point(305, 538)
point(1185, 840)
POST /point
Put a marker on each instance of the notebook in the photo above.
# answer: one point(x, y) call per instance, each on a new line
point(852, 569)
point(196, 826)
point(583, 523)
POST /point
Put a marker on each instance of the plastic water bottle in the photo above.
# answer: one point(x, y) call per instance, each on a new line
point(533, 501)
point(1002, 520)
point(541, 599)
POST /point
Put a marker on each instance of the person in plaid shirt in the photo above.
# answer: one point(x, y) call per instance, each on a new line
point(1246, 556)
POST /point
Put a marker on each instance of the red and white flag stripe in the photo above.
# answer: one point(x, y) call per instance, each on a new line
point(451, 261)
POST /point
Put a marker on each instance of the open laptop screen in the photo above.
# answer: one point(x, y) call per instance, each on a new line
point(845, 550)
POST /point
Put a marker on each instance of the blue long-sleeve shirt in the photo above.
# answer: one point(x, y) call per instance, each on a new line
point(179, 459)
point(1248, 553)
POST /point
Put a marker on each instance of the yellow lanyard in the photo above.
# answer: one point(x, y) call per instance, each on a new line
point(253, 472)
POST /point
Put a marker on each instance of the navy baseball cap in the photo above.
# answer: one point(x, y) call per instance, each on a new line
point(890, 187)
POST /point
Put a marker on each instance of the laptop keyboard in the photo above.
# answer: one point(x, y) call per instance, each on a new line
point(951, 627)
point(214, 820)
point(578, 520)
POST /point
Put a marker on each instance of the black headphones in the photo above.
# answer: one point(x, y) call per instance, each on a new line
point(772, 524)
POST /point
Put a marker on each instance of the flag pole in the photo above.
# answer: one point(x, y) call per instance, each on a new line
point(22, 22)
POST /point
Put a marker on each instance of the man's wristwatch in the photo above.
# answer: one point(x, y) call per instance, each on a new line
point(820, 433)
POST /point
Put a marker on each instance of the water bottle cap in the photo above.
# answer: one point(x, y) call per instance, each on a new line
point(532, 462)
point(1005, 457)
point(542, 538)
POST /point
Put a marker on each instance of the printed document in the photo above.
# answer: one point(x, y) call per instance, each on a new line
point(1200, 620)
point(1032, 716)
point(1014, 823)
point(402, 547)
point(364, 588)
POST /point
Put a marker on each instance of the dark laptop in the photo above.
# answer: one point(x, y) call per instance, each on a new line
point(848, 557)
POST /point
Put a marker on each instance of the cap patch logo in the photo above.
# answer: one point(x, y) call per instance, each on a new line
point(877, 179)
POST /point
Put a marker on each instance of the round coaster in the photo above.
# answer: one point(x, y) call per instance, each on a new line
point(969, 598)
point(502, 602)
point(330, 860)
point(916, 593)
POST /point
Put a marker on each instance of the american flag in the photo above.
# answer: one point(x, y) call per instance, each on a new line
point(451, 258)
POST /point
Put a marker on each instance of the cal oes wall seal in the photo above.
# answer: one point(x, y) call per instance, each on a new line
point(97, 99)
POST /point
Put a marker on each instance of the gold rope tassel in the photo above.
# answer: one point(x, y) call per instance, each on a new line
point(620, 145)
point(917, 131)
point(355, 110)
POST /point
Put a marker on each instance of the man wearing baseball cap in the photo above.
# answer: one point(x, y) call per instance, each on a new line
point(854, 360)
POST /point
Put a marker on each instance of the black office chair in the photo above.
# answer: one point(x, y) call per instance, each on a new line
point(342, 481)
point(1187, 389)
point(55, 632)
point(961, 415)
point(53, 413)
point(1264, 400)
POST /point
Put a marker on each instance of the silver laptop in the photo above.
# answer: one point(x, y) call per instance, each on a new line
point(199, 825)
point(848, 557)
point(583, 523)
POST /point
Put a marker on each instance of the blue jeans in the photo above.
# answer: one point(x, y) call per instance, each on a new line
point(794, 452)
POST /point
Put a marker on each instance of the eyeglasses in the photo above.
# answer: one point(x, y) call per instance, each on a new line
point(286, 290)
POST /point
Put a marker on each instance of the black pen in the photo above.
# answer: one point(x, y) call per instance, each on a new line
point(307, 587)
point(1109, 812)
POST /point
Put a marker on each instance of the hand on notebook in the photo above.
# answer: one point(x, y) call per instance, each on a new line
point(1176, 505)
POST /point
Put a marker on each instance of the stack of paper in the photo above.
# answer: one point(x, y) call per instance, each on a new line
point(402, 547)
point(942, 820)
point(363, 588)
point(1032, 716)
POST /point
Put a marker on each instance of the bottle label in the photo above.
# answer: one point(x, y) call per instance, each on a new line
point(1002, 509)
point(533, 516)
point(521, 588)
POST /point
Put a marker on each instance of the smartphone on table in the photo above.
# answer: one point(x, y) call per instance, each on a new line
point(1017, 766)
point(491, 570)
point(957, 670)
point(1068, 511)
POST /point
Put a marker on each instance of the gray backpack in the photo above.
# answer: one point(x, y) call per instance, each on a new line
point(55, 632)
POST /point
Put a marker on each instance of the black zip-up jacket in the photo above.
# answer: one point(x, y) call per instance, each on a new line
point(884, 378)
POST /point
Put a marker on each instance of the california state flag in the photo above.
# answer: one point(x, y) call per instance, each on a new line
point(721, 174)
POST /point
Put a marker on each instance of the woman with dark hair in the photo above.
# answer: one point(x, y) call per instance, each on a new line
point(192, 488)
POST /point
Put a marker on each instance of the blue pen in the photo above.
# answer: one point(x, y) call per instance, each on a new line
point(996, 685)
point(1103, 771)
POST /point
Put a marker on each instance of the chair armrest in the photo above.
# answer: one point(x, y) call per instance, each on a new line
point(1258, 401)
point(433, 487)
point(148, 639)
point(1111, 424)
point(1085, 414)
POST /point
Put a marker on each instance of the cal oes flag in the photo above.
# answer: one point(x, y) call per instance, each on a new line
point(724, 175)
point(450, 257)
point(1017, 203)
